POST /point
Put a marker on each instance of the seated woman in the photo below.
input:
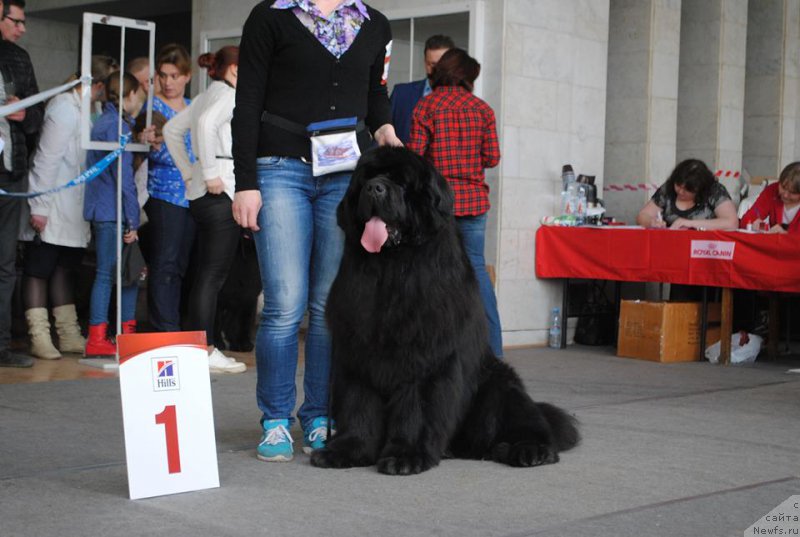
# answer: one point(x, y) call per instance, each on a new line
point(778, 205)
point(691, 198)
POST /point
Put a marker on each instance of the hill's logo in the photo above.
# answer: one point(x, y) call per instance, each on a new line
point(713, 250)
point(165, 374)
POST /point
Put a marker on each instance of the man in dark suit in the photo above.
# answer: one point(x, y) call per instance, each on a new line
point(405, 96)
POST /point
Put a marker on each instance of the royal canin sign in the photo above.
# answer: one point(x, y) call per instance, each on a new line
point(713, 250)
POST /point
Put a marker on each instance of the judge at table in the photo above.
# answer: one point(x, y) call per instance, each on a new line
point(691, 198)
point(778, 205)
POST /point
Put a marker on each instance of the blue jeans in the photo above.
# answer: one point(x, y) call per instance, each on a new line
point(473, 233)
point(299, 247)
point(172, 230)
point(105, 243)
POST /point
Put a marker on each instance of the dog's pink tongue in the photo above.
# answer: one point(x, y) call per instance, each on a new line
point(375, 235)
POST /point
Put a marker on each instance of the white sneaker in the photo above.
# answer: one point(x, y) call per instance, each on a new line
point(219, 363)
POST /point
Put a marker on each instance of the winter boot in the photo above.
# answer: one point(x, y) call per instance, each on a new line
point(68, 329)
point(98, 345)
point(129, 327)
point(39, 330)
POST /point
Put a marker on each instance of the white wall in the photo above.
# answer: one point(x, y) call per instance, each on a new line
point(641, 131)
point(54, 50)
point(771, 91)
point(711, 86)
point(554, 102)
point(712, 74)
point(791, 84)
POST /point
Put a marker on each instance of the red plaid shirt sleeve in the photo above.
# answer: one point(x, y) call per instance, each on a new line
point(456, 132)
point(490, 150)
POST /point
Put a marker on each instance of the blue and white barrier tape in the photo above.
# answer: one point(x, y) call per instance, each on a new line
point(9, 109)
point(85, 177)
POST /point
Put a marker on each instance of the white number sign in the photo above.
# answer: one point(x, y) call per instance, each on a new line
point(167, 413)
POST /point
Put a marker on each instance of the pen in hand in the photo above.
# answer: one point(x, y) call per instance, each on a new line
point(658, 221)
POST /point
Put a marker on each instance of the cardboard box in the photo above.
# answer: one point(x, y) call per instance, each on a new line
point(762, 179)
point(664, 331)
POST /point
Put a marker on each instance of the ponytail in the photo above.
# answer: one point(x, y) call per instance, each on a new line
point(218, 63)
point(129, 84)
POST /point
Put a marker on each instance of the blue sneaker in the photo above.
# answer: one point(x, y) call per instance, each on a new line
point(276, 442)
point(315, 436)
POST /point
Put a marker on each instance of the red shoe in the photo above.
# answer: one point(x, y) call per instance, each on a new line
point(129, 327)
point(97, 344)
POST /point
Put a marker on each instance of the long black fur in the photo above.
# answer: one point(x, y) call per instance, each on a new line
point(413, 376)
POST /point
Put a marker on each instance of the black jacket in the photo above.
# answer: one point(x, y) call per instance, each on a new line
point(16, 66)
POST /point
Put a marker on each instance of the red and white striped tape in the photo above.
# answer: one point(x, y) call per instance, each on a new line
point(652, 186)
point(630, 186)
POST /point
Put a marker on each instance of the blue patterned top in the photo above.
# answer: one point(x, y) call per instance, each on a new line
point(164, 181)
point(338, 31)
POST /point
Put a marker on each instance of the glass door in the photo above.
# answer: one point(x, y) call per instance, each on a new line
point(212, 42)
point(412, 27)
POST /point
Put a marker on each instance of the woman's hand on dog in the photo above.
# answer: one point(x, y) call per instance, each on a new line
point(385, 135)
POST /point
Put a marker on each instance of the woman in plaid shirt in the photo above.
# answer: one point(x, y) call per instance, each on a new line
point(455, 131)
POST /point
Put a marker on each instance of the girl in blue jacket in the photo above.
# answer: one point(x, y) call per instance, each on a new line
point(100, 208)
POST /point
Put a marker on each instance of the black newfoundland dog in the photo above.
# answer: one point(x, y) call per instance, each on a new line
point(413, 376)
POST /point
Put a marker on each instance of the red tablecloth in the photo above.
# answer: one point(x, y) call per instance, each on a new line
point(716, 258)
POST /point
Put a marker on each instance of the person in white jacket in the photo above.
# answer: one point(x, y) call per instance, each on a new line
point(55, 233)
point(210, 189)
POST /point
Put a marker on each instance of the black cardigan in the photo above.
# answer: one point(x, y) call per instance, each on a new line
point(286, 71)
point(16, 66)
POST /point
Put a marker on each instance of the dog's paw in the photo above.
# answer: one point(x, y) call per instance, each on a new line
point(409, 464)
point(325, 458)
point(526, 454)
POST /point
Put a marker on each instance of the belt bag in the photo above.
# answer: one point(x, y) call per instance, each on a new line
point(334, 147)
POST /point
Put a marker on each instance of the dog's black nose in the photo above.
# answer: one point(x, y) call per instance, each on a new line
point(376, 188)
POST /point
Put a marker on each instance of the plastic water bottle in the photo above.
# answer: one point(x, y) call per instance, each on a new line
point(567, 176)
point(567, 187)
point(555, 329)
point(581, 205)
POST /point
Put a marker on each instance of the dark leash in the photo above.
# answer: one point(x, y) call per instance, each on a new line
point(329, 432)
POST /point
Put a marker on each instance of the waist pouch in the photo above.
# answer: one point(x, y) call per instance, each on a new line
point(334, 145)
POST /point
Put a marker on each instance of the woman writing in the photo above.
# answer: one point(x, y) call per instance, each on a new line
point(778, 206)
point(210, 189)
point(691, 198)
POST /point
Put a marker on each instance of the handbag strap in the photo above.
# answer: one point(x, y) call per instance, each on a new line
point(294, 127)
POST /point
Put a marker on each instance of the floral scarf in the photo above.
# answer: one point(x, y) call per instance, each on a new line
point(336, 32)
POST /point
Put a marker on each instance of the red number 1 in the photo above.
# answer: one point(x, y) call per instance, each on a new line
point(168, 419)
